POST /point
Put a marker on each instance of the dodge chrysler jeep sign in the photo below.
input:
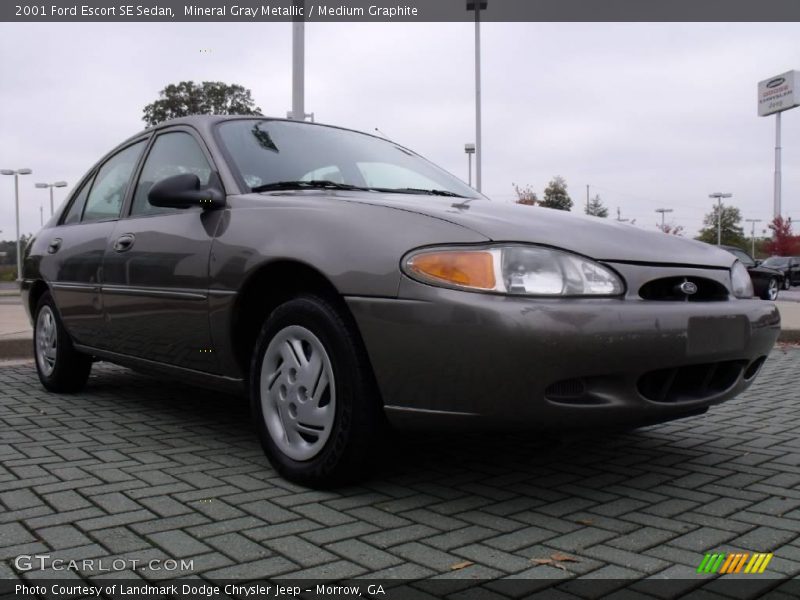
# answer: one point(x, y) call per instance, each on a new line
point(778, 93)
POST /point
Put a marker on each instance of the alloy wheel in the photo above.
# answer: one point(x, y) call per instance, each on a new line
point(46, 340)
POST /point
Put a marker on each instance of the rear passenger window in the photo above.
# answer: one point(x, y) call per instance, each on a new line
point(173, 153)
point(108, 192)
point(76, 208)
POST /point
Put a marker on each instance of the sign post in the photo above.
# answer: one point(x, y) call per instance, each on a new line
point(775, 95)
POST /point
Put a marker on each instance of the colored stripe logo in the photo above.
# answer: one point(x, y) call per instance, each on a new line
point(737, 562)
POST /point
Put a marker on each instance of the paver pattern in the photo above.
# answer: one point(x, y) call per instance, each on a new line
point(136, 467)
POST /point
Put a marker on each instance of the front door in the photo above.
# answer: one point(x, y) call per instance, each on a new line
point(156, 265)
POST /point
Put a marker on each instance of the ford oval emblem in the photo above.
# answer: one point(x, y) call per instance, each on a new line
point(689, 288)
point(775, 82)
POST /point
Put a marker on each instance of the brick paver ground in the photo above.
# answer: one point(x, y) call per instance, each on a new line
point(143, 469)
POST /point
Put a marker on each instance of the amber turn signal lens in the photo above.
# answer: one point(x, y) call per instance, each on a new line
point(473, 269)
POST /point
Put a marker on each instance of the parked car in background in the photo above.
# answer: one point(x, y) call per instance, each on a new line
point(346, 283)
point(788, 265)
point(766, 280)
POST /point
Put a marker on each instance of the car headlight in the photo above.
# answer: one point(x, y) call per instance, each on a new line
point(741, 284)
point(517, 270)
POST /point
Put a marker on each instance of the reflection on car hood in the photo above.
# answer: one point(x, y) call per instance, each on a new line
point(602, 239)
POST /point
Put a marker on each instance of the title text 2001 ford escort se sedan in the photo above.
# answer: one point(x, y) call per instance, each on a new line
point(347, 282)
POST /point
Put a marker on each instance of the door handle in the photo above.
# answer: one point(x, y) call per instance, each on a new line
point(124, 242)
point(53, 247)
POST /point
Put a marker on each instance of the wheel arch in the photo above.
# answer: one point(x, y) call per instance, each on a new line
point(35, 293)
point(265, 289)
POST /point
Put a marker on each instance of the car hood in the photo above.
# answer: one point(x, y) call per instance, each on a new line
point(601, 239)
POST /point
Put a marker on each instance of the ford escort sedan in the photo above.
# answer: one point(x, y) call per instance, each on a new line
point(347, 284)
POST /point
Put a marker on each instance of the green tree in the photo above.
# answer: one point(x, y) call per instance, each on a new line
point(208, 98)
point(732, 232)
point(556, 196)
point(596, 208)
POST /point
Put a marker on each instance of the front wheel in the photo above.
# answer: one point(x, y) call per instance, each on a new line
point(771, 291)
point(313, 399)
point(60, 367)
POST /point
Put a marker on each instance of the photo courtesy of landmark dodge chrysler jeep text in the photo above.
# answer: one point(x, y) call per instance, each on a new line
point(345, 283)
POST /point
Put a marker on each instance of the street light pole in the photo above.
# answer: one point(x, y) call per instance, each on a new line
point(663, 212)
point(719, 196)
point(51, 186)
point(753, 234)
point(16, 173)
point(470, 150)
point(477, 6)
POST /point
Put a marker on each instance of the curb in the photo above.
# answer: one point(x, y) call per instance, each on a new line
point(16, 348)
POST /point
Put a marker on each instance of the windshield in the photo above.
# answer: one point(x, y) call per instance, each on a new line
point(776, 261)
point(276, 154)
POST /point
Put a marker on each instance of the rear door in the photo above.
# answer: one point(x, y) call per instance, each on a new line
point(157, 263)
point(73, 264)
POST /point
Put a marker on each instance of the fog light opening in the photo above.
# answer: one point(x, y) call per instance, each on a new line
point(753, 368)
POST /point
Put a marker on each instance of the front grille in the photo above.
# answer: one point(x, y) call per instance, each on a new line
point(669, 288)
point(693, 382)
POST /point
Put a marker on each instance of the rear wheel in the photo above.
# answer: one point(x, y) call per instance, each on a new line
point(60, 367)
point(313, 399)
point(787, 283)
point(771, 291)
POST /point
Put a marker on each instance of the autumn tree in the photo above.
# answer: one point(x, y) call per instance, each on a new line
point(732, 232)
point(596, 208)
point(670, 228)
point(556, 196)
point(526, 195)
point(207, 98)
point(783, 242)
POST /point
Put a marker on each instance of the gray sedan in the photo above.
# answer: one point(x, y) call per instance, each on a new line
point(346, 285)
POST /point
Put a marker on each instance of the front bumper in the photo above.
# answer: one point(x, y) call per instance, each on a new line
point(452, 359)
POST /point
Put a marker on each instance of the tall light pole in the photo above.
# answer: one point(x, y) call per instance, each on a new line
point(16, 173)
point(478, 6)
point(753, 235)
point(719, 196)
point(470, 150)
point(51, 186)
point(663, 212)
point(298, 112)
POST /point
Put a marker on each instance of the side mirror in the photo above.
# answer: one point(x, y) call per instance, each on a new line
point(183, 191)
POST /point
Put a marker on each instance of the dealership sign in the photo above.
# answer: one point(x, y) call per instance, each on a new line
point(778, 93)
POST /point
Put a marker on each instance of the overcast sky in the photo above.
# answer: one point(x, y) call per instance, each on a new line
point(649, 115)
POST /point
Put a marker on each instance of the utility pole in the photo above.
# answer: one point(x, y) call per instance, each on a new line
point(298, 112)
point(719, 196)
point(663, 211)
point(753, 234)
point(478, 6)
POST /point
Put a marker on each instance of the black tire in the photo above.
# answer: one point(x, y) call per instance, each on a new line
point(346, 448)
point(70, 369)
point(787, 283)
point(771, 290)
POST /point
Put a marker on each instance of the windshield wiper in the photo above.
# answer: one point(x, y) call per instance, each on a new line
point(423, 191)
point(314, 184)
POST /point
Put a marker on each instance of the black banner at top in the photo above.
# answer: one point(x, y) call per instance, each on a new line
point(398, 10)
